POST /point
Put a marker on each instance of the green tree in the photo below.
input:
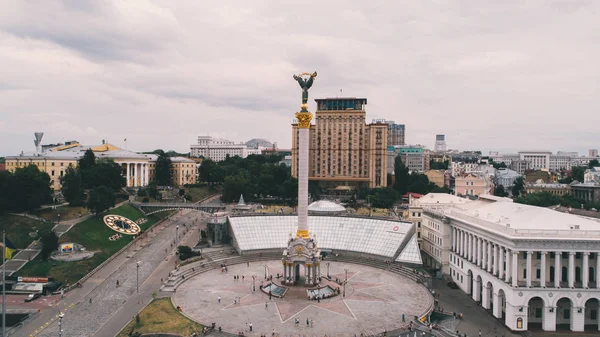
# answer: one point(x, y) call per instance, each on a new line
point(518, 187)
point(577, 173)
point(594, 163)
point(401, 176)
point(104, 173)
point(290, 190)
point(384, 197)
point(101, 198)
point(499, 165)
point(88, 160)
point(49, 243)
point(152, 191)
point(27, 189)
point(233, 187)
point(543, 199)
point(499, 191)
point(163, 173)
point(72, 187)
point(207, 171)
point(436, 165)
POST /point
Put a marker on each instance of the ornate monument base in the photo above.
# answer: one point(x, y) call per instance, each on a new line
point(301, 257)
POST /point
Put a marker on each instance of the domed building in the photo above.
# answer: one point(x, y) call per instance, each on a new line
point(259, 142)
point(325, 207)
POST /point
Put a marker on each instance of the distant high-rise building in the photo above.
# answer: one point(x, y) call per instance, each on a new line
point(344, 150)
point(396, 132)
point(593, 153)
point(218, 149)
point(440, 143)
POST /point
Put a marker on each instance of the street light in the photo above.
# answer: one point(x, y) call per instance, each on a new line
point(137, 278)
point(264, 265)
point(328, 270)
point(176, 233)
point(60, 318)
point(345, 281)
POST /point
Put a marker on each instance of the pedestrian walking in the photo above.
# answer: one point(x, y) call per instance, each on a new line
point(90, 300)
point(219, 299)
point(403, 318)
point(311, 323)
point(307, 323)
point(250, 325)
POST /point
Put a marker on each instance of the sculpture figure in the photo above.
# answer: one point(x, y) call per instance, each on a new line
point(305, 84)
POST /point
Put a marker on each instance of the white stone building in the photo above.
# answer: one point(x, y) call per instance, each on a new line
point(506, 178)
point(592, 176)
point(538, 160)
point(531, 266)
point(218, 149)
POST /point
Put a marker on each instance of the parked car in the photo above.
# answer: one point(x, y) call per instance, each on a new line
point(452, 285)
point(33, 297)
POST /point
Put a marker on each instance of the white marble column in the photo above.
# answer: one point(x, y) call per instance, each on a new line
point(128, 174)
point(484, 255)
point(571, 269)
point(135, 175)
point(529, 271)
point(147, 174)
point(469, 247)
point(303, 183)
point(462, 244)
point(543, 269)
point(479, 247)
point(495, 260)
point(500, 262)
point(515, 268)
point(585, 277)
point(489, 263)
point(597, 255)
point(557, 270)
point(508, 265)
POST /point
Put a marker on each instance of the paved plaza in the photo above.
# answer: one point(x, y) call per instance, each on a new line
point(375, 300)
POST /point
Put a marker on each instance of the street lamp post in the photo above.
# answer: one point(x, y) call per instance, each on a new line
point(345, 281)
point(60, 318)
point(264, 265)
point(176, 234)
point(137, 277)
point(327, 270)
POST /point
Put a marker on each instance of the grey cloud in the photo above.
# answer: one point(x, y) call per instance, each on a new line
point(492, 75)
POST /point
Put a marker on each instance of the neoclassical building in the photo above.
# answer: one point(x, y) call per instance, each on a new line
point(138, 169)
point(530, 266)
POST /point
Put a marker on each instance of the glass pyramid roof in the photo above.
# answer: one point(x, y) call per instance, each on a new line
point(411, 252)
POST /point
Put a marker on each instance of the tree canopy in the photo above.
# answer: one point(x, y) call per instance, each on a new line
point(72, 187)
point(24, 190)
point(401, 175)
point(518, 187)
point(255, 177)
point(100, 199)
point(163, 173)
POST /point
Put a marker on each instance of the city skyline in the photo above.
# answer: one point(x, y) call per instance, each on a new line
point(492, 77)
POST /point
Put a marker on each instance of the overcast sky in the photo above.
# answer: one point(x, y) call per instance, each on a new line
point(491, 75)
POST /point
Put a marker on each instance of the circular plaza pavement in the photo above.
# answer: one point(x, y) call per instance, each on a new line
point(375, 300)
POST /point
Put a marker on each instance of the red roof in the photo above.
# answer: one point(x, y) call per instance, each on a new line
point(412, 194)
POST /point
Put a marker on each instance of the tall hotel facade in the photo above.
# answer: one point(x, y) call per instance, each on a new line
point(343, 149)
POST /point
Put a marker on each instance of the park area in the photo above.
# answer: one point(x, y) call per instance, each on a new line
point(161, 316)
point(18, 228)
point(94, 235)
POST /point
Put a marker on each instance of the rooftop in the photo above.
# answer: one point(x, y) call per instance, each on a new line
point(441, 199)
point(524, 220)
point(325, 206)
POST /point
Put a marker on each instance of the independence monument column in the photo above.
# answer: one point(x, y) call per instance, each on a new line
point(304, 117)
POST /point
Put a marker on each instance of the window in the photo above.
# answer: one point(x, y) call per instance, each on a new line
point(524, 273)
point(538, 273)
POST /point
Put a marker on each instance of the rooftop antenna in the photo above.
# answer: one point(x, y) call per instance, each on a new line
point(38, 141)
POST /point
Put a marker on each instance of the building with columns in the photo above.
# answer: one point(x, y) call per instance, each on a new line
point(138, 169)
point(531, 266)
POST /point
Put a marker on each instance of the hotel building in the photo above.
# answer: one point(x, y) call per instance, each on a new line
point(344, 151)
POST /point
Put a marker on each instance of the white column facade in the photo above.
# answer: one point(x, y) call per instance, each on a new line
point(571, 269)
point(135, 175)
point(495, 260)
point(557, 270)
point(508, 270)
point(515, 268)
point(479, 247)
point(489, 257)
point(529, 270)
point(585, 278)
point(500, 262)
point(543, 269)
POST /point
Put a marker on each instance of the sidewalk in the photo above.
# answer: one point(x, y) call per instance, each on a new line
point(474, 316)
point(151, 285)
point(80, 296)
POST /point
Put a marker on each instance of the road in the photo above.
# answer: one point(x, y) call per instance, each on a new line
point(83, 318)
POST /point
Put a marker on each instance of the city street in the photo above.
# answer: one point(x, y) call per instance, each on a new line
point(84, 318)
